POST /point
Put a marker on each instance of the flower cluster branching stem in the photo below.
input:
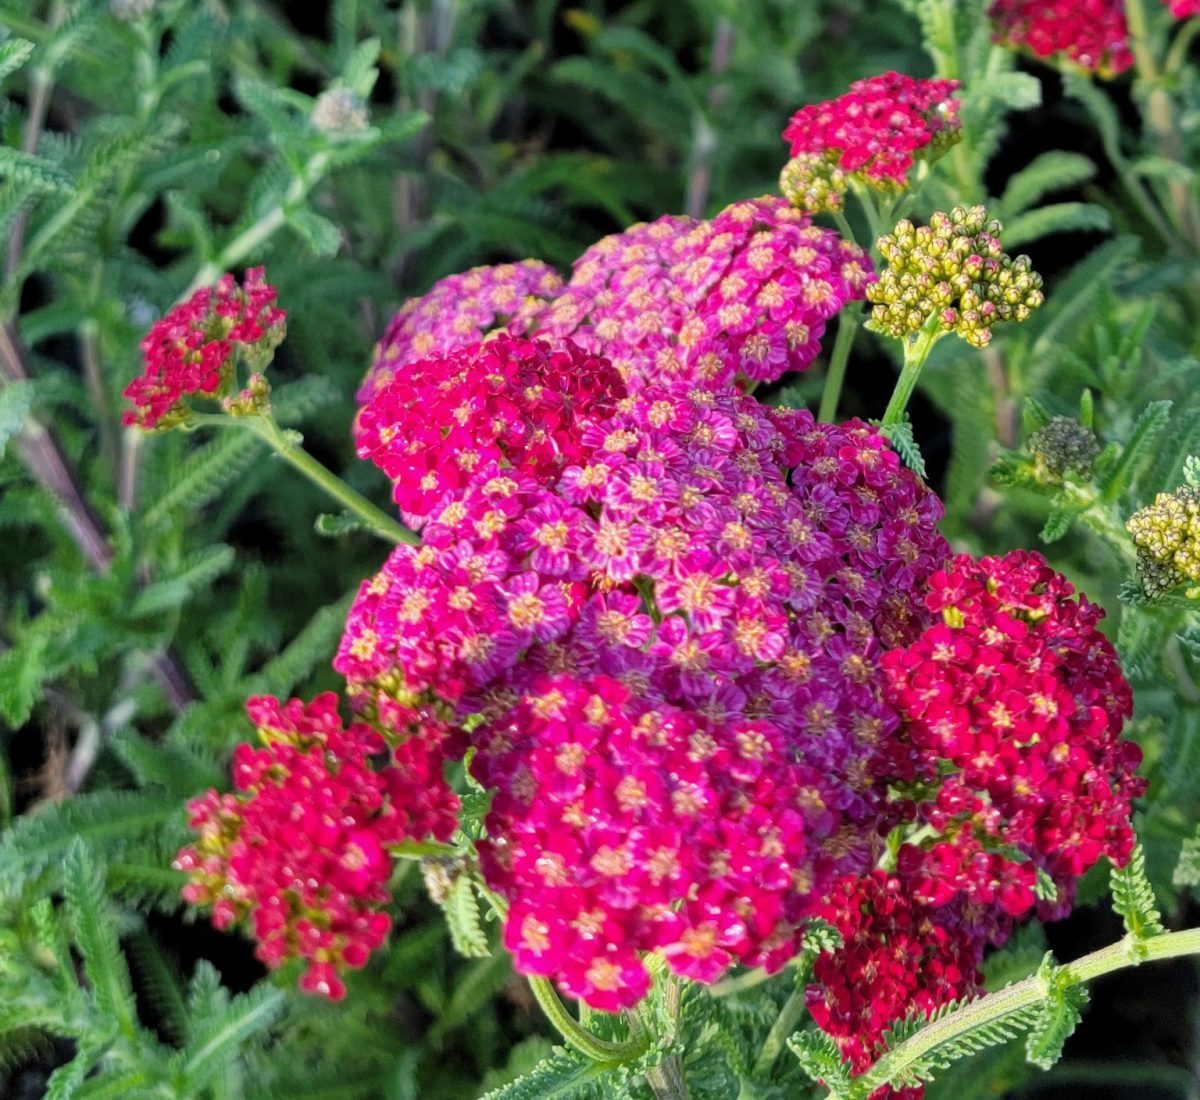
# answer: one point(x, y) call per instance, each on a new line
point(916, 350)
point(576, 1036)
point(1022, 994)
point(286, 446)
point(839, 357)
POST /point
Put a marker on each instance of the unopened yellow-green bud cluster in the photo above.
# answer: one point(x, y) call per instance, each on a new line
point(1064, 445)
point(956, 271)
point(814, 183)
point(1167, 536)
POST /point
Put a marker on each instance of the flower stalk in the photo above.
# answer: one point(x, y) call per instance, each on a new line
point(1022, 994)
point(285, 445)
point(577, 1037)
point(917, 347)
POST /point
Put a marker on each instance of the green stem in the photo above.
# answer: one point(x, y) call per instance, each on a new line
point(917, 346)
point(283, 445)
point(1160, 114)
point(254, 235)
point(598, 1050)
point(1030, 991)
point(867, 201)
point(785, 1023)
point(840, 356)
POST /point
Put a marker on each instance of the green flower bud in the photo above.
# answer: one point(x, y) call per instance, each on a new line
point(1064, 445)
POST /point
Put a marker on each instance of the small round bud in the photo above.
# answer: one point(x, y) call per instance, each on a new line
point(1064, 445)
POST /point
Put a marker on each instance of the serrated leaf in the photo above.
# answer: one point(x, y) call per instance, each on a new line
point(206, 474)
point(1133, 898)
point(1057, 170)
point(821, 1059)
point(217, 1035)
point(1187, 869)
point(196, 573)
point(322, 236)
point(563, 1076)
point(23, 668)
point(902, 439)
point(1057, 217)
point(1059, 1014)
point(1058, 523)
point(13, 54)
point(464, 919)
point(16, 399)
point(96, 937)
point(1017, 90)
point(1150, 422)
point(107, 820)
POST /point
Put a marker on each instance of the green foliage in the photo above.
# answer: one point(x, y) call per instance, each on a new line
point(1060, 1012)
point(1133, 898)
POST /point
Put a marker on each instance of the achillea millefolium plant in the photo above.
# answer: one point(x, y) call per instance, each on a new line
point(678, 733)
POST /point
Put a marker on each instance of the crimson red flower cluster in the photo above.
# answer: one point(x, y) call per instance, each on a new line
point(873, 133)
point(301, 850)
point(1089, 33)
point(192, 351)
point(510, 401)
point(1015, 703)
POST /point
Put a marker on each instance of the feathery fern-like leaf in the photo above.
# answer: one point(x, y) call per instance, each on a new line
point(1133, 897)
point(96, 937)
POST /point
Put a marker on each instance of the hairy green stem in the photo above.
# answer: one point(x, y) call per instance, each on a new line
point(781, 1030)
point(1022, 994)
point(577, 1037)
point(839, 357)
point(917, 346)
point(283, 444)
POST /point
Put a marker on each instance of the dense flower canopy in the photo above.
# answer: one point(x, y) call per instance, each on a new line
point(712, 659)
point(1089, 33)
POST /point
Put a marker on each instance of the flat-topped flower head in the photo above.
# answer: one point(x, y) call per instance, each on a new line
point(1183, 9)
point(952, 274)
point(300, 851)
point(1014, 704)
point(620, 828)
point(1089, 34)
point(193, 351)
point(522, 403)
point(1167, 536)
point(747, 294)
point(873, 134)
point(456, 312)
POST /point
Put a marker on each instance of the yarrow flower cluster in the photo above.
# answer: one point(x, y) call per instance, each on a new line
point(1091, 34)
point(440, 420)
point(193, 350)
point(954, 274)
point(713, 659)
point(1015, 704)
point(1167, 536)
point(1064, 446)
point(300, 852)
point(619, 829)
point(872, 134)
point(898, 958)
point(747, 293)
point(457, 312)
